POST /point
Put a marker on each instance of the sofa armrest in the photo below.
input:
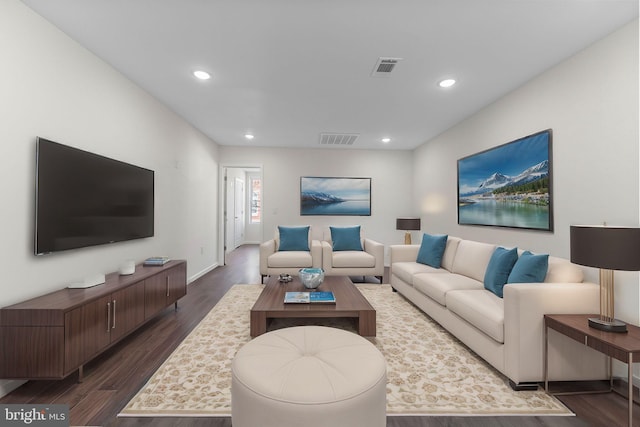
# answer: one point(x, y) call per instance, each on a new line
point(266, 248)
point(525, 305)
point(403, 253)
point(327, 256)
point(316, 254)
point(376, 249)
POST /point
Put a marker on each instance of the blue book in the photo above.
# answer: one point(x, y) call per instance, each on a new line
point(157, 260)
point(309, 297)
point(322, 297)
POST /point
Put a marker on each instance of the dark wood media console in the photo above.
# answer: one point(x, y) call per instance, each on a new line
point(51, 336)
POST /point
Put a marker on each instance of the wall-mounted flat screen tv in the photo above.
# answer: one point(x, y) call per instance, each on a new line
point(84, 199)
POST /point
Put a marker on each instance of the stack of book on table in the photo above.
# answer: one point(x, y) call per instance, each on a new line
point(309, 297)
point(156, 260)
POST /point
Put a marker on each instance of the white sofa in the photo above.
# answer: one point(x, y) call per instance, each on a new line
point(367, 262)
point(507, 332)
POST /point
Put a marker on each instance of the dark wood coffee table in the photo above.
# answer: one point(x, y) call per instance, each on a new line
point(349, 303)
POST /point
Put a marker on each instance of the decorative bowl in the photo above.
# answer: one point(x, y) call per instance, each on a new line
point(311, 278)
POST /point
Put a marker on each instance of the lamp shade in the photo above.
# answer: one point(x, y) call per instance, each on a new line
point(408, 224)
point(611, 248)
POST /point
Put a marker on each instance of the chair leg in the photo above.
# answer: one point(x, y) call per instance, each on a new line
point(262, 276)
point(379, 278)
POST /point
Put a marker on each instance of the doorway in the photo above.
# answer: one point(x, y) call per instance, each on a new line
point(240, 224)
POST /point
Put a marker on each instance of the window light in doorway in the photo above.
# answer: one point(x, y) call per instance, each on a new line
point(256, 200)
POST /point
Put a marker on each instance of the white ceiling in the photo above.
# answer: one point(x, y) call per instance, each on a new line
point(287, 70)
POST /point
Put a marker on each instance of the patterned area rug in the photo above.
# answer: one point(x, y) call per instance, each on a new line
point(429, 372)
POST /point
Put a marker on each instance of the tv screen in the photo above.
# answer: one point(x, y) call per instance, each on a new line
point(83, 199)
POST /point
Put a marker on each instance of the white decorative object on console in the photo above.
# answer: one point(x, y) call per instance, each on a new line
point(127, 268)
point(88, 282)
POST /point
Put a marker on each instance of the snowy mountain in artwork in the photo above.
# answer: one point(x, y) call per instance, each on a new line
point(498, 180)
point(319, 197)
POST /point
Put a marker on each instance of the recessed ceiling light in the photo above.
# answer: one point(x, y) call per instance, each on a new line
point(202, 75)
point(447, 83)
point(248, 136)
point(386, 140)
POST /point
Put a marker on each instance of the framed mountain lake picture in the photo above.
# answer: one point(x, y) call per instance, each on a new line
point(509, 185)
point(335, 196)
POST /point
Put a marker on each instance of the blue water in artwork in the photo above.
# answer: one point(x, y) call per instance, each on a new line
point(509, 214)
point(348, 207)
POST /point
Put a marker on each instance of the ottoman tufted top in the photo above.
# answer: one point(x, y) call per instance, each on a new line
point(309, 365)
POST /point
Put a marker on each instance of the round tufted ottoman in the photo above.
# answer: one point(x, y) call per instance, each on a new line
point(309, 376)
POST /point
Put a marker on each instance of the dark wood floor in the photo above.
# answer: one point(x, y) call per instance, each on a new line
point(113, 378)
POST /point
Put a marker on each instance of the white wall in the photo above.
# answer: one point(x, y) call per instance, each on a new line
point(52, 87)
point(391, 185)
point(591, 103)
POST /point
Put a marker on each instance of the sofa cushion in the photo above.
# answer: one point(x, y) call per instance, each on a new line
point(436, 286)
point(352, 259)
point(563, 271)
point(472, 259)
point(432, 249)
point(481, 308)
point(293, 238)
point(346, 238)
point(450, 252)
point(498, 269)
point(529, 268)
point(407, 270)
point(289, 259)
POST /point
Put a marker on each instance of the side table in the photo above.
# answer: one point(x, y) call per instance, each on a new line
point(620, 346)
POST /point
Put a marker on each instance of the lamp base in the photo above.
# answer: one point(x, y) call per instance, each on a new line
point(609, 326)
point(407, 238)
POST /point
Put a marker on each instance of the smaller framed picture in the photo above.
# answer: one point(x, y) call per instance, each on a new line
point(335, 196)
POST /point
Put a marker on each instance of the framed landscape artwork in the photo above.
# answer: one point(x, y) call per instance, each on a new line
point(509, 185)
point(335, 196)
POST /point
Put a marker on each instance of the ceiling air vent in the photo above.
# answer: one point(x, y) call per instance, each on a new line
point(384, 66)
point(338, 138)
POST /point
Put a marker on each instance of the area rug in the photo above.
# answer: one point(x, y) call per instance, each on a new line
point(429, 371)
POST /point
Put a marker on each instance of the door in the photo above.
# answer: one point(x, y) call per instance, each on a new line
point(156, 289)
point(87, 332)
point(238, 213)
point(177, 283)
point(229, 223)
point(128, 310)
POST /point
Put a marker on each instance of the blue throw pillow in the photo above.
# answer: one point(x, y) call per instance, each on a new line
point(346, 238)
point(432, 249)
point(294, 238)
point(498, 269)
point(529, 268)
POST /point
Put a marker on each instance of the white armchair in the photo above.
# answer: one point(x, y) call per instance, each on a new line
point(277, 259)
point(366, 262)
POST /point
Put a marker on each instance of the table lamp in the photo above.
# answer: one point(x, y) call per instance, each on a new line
point(407, 224)
point(609, 249)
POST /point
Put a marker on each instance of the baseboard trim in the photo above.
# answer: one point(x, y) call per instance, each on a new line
point(202, 273)
point(7, 386)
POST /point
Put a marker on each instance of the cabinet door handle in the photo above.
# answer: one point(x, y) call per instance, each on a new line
point(113, 325)
point(167, 285)
point(108, 316)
